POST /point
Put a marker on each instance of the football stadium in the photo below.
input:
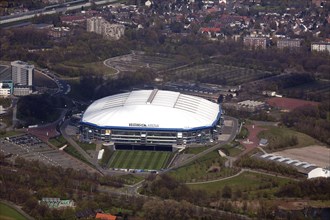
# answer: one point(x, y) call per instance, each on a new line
point(151, 118)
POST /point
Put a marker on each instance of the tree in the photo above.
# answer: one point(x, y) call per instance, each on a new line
point(226, 192)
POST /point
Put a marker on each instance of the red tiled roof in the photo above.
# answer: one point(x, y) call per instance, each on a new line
point(210, 29)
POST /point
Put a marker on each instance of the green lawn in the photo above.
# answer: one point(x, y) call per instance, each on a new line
point(128, 159)
point(199, 169)
point(232, 149)
point(97, 68)
point(10, 133)
point(195, 150)
point(131, 179)
point(251, 183)
point(58, 141)
point(8, 213)
point(87, 146)
point(279, 132)
point(73, 152)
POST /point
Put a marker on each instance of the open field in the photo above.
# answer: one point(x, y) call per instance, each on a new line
point(201, 169)
point(318, 155)
point(95, 68)
point(289, 103)
point(217, 73)
point(281, 132)
point(132, 62)
point(8, 213)
point(128, 159)
point(247, 182)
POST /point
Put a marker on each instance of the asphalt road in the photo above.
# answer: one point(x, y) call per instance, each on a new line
point(48, 11)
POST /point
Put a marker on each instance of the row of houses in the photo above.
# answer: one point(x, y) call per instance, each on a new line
point(263, 42)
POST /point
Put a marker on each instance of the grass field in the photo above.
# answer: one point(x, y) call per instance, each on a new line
point(8, 213)
point(195, 150)
point(87, 146)
point(58, 141)
point(150, 160)
point(199, 170)
point(280, 132)
point(97, 68)
point(212, 73)
point(253, 184)
point(10, 133)
point(232, 149)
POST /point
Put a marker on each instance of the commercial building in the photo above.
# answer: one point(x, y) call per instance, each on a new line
point(109, 31)
point(6, 88)
point(152, 117)
point(22, 73)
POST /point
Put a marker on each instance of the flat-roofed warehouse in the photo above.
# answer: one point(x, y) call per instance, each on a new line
point(151, 117)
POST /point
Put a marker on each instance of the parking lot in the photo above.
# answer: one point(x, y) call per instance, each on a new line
point(30, 147)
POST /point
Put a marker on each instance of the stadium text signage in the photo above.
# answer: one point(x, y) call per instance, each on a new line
point(143, 125)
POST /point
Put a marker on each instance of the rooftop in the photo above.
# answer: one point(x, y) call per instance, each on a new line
point(154, 109)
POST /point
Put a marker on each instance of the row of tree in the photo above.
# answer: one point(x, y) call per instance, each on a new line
point(311, 120)
point(250, 162)
point(26, 182)
point(316, 189)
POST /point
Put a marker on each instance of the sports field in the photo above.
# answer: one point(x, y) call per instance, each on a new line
point(149, 160)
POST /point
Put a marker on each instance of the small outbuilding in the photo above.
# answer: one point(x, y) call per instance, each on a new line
point(263, 142)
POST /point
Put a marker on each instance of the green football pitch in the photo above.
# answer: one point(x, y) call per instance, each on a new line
point(129, 159)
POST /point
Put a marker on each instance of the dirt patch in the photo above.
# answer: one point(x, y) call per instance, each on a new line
point(318, 155)
point(288, 103)
point(252, 141)
point(293, 205)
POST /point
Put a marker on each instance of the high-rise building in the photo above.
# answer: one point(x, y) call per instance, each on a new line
point(22, 73)
point(255, 42)
point(288, 43)
point(109, 31)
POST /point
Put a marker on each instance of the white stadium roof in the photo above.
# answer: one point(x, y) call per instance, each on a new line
point(152, 109)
